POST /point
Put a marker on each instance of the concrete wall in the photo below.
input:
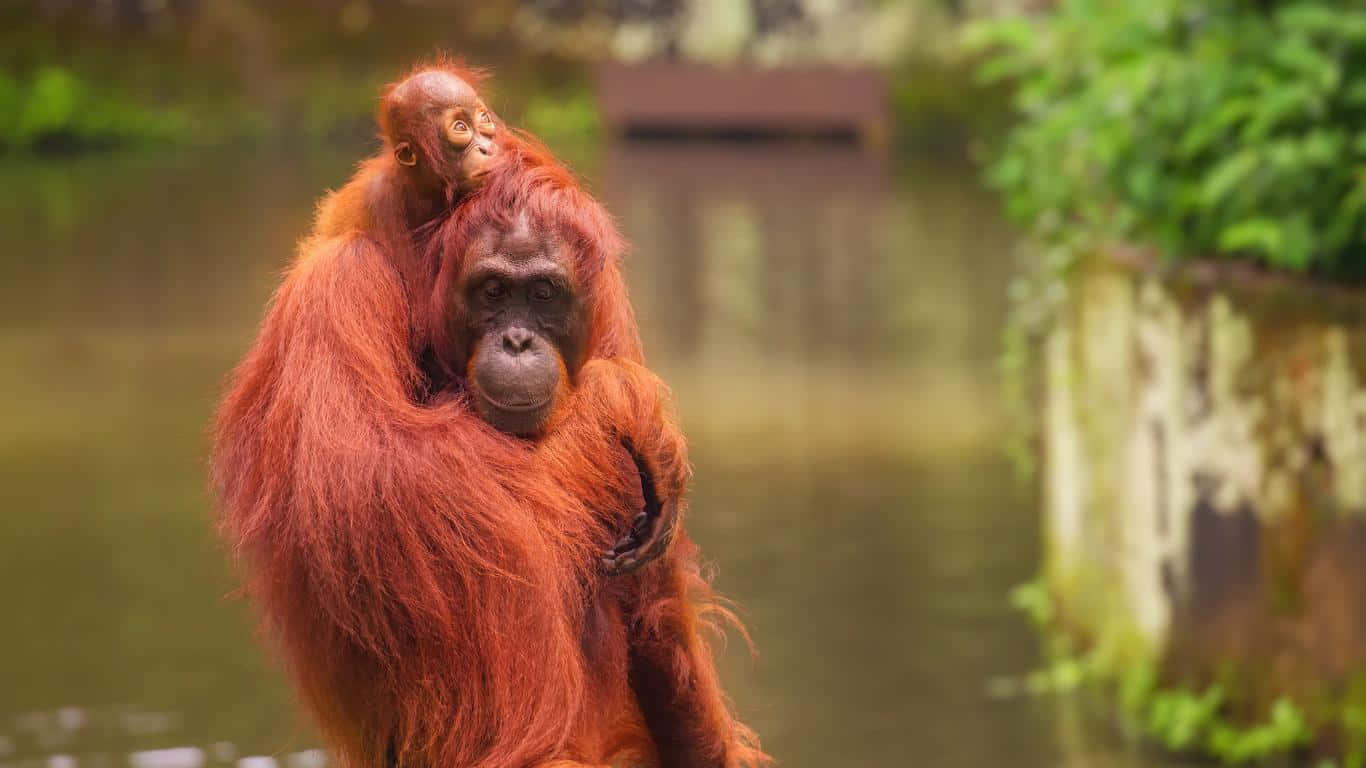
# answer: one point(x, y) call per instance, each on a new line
point(1205, 470)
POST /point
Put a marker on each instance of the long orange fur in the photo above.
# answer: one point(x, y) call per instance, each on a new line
point(431, 583)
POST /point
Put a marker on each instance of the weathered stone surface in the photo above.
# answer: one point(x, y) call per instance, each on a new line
point(1205, 469)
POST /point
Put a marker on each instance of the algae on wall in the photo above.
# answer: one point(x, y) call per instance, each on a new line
point(1204, 443)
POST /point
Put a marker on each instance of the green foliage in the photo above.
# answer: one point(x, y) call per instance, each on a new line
point(335, 106)
point(1283, 731)
point(566, 117)
point(1186, 721)
point(940, 102)
point(56, 108)
point(1177, 718)
point(1181, 720)
point(1351, 717)
point(1204, 126)
point(1033, 599)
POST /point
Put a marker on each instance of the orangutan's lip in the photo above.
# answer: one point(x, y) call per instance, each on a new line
point(516, 407)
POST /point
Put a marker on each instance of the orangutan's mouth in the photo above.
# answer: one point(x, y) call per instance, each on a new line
point(517, 407)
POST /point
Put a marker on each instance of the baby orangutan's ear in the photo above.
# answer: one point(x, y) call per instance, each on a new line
point(404, 154)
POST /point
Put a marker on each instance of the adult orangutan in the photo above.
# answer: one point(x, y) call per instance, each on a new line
point(424, 575)
point(515, 259)
point(440, 142)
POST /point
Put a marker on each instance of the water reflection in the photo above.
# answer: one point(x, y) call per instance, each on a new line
point(829, 325)
point(830, 329)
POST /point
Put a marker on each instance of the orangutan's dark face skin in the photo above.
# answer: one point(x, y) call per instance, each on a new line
point(458, 147)
point(525, 326)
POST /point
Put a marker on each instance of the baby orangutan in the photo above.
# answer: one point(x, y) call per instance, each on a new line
point(440, 141)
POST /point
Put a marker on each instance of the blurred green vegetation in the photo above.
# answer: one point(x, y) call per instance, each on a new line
point(80, 75)
point(938, 100)
point(1204, 127)
point(1193, 721)
point(85, 74)
point(55, 106)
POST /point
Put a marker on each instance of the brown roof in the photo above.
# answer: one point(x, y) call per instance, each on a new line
point(688, 98)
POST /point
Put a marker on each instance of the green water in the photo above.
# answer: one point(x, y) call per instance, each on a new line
point(830, 326)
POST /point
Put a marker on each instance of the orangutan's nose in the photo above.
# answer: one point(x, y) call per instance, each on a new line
point(517, 340)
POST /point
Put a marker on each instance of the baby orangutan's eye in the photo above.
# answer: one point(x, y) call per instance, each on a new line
point(486, 124)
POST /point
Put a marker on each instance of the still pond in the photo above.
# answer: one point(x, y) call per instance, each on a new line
point(829, 320)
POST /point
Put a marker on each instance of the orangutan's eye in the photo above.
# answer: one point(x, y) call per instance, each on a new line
point(484, 117)
point(460, 126)
point(543, 291)
point(494, 290)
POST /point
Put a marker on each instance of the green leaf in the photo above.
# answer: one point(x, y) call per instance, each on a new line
point(1279, 106)
point(1316, 66)
point(1226, 176)
point(1204, 133)
point(52, 104)
point(1015, 32)
point(1003, 66)
point(1262, 236)
point(1323, 147)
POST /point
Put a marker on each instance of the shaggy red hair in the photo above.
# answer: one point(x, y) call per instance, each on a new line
point(431, 583)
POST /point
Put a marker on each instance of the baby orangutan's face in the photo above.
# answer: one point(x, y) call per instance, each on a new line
point(459, 128)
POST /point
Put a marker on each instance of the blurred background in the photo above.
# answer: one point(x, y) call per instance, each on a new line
point(901, 407)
